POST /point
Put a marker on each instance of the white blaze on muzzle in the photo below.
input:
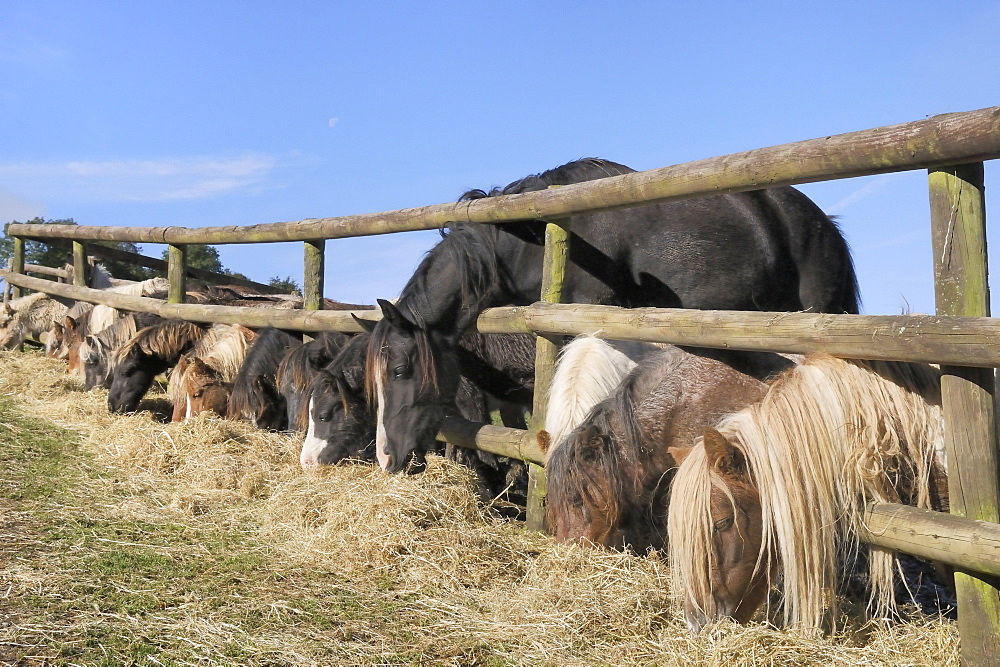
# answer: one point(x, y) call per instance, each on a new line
point(312, 446)
point(380, 438)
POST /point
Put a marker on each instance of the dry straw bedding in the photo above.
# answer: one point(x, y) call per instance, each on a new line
point(435, 576)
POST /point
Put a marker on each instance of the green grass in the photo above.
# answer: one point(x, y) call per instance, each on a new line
point(106, 589)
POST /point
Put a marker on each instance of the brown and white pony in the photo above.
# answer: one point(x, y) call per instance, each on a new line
point(608, 479)
point(587, 371)
point(777, 491)
point(202, 379)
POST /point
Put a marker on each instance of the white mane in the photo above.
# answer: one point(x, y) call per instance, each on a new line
point(587, 371)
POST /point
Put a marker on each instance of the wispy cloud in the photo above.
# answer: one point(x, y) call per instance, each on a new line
point(865, 191)
point(157, 180)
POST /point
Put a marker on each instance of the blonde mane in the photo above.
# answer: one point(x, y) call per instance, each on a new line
point(223, 349)
point(830, 436)
point(587, 371)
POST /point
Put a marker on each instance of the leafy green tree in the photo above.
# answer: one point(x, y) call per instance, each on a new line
point(60, 253)
point(286, 284)
point(201, 256)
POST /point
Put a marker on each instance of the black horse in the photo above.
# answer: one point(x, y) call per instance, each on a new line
point(255, 396)
point(762, 250)
point(297, 369)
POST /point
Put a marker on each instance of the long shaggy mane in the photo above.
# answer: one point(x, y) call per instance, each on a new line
point(587, 371)
point(830, 437)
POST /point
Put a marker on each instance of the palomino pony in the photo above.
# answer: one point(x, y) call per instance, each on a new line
point(780, 252)
point(609, 479)
point(778, 490)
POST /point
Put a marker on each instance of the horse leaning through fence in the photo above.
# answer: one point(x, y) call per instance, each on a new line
point(778, 490)
point(780, 253)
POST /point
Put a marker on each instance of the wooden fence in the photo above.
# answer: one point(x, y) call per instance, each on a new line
point(961, 336)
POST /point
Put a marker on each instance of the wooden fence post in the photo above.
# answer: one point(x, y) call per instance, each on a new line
point(176, 273)
point(958, 226)
point(17, 263)
point(312, 280)
point(546, 349)
point(312, 277)
point(79, 264)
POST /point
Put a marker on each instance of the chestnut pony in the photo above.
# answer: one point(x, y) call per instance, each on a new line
point(777, 491)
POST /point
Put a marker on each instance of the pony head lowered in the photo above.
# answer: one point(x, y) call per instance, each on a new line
point(779, 489)
point(150, 352)
point(296, 370)
point(203, 378)
point(412, 366)
point(254, 396)
point(203, 389)
point(341, 422)
point(608, 479)
point(95, 351)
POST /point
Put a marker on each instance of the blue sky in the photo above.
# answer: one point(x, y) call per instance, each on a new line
point(229, 113)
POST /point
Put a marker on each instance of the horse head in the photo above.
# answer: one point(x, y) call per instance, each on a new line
point(413, 374)
point(54, 340)
point(94, 360)
point(341, 422)
point(586, 497)
point(132, 376)
point(719, 550)
point(206, 390)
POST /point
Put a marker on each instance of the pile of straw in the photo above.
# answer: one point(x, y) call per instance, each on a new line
point(468, 587)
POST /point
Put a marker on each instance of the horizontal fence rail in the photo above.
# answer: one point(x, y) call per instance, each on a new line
point(963, 341)
point(941, 140)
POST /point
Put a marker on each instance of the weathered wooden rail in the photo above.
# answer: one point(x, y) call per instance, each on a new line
point(962, 336)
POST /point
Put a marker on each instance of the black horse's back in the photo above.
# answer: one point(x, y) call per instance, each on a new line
point(764, 250)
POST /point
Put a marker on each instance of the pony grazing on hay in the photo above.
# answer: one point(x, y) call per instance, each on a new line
point(587, 371)
point(151, 351)
point(254, 395)
point(778, 490)
point(28, 316)
point(608, 479)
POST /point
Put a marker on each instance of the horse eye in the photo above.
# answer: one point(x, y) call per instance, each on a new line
point(199, 393)
point(399, 371)
point(723, 524)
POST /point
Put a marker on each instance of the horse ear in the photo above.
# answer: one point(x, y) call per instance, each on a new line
point(367, 325)
point(70, 324)
point(678, 454)
point(395, 318)
point(722, 455)
point(9, 309)
point(593, 444)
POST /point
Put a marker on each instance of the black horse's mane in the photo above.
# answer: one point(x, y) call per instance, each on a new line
point(577, 171)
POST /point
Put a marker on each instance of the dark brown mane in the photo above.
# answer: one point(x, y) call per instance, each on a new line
point(377, 359)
